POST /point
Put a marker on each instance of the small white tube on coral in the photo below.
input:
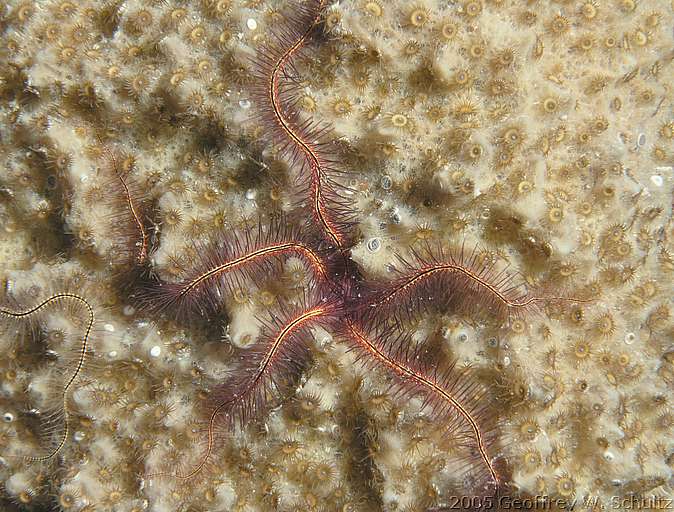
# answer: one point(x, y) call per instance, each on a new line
point(244, 328)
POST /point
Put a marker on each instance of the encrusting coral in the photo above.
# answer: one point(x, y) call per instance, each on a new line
point(170, 180)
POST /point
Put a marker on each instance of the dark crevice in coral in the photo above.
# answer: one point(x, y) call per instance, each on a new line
point(58, 193)
point(250, 174)
point(8, 505)
point(15, 86)
point(506, 227)
point(359, 444)
point(422, 192)
point(426, 79)
point(85, 101)
point(167, 108)
point(109, 17)
point(48, 228)
point(211, 135)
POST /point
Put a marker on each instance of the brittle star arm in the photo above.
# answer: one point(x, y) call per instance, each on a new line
point(432, 385)
point(79, 363)
point(283, 351)
point(298, 138)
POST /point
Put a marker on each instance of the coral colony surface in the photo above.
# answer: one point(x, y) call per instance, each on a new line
point(336, 256)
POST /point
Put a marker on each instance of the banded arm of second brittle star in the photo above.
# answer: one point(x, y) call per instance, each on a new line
point(406, 373)
point(25, 314)
point(240, 397)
